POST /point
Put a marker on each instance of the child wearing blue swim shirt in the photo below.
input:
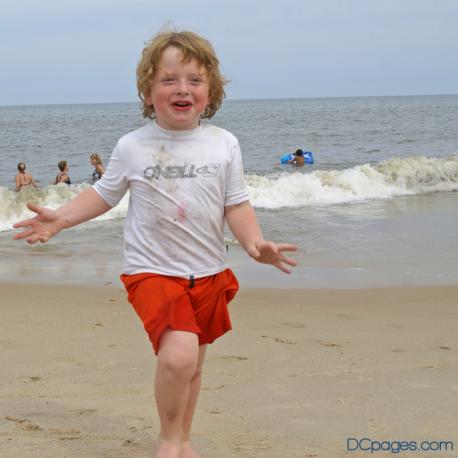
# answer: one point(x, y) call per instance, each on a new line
point(185, 179)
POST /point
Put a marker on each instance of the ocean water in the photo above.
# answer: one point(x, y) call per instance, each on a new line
point(378, 207)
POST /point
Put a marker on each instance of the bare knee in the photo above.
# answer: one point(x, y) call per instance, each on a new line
point(179, 366)
point(178, 357)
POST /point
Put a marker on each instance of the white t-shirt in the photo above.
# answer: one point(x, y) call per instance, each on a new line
point(180, 182)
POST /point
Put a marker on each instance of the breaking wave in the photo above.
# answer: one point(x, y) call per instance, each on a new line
point(388, 179)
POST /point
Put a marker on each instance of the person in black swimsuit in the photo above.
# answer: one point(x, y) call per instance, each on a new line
point(63, 176)
point(99, 170)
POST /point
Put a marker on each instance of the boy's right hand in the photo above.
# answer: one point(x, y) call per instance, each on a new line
point(42, 227)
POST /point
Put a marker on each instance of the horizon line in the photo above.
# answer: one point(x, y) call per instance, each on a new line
point(235, 99)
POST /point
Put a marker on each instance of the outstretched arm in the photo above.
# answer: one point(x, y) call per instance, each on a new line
point(48, 223)
point(242, 221)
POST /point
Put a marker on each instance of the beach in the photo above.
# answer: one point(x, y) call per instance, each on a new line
point(303, 372)
point(357, 348)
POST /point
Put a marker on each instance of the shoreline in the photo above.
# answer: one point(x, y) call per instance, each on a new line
point(404, 289)
point(301, 371)
point(375, 244)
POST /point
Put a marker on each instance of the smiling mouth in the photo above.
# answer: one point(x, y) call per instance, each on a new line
point(182, 104)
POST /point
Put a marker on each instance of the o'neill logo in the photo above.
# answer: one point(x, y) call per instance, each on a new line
point(181, 171)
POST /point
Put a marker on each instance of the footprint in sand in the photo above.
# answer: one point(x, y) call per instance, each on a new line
point(212, 388)
point(30, 379)
point(252, 446)
point(233, 358)
point(294, 325)
point(83, 412)
point(348, 401)
point(24, 423)
point(134, 429)
point(285, 341)
point(327, 344)
point(66, 435)
point(129, 443)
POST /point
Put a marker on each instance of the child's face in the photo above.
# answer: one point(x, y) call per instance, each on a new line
point(179, 91)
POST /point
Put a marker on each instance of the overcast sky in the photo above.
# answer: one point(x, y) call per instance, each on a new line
point(75, 51)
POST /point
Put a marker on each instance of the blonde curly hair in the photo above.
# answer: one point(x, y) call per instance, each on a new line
point(192, 46)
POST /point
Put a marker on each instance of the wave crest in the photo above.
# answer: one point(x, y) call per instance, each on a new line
point(390, 178)
point(387, 179)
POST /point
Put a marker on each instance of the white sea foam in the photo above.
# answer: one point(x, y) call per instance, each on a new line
point(390, 178)
point(13, 205)
point(387, 179)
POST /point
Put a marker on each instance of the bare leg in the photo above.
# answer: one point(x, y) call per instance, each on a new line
point(177, 362)
point(194, 391)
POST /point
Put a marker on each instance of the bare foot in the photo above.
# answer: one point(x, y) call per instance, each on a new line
point(168, 449)
point(187, 451)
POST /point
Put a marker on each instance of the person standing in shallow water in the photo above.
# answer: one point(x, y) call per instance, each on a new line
point(24, 179)
point(63, 176)
point(180, 294)
point(99, 169)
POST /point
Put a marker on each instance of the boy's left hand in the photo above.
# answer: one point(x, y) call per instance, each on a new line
point(271, 253)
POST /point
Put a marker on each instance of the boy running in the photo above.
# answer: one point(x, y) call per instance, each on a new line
point(185, 180)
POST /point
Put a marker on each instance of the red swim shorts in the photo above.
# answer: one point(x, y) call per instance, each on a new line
point(198, 306)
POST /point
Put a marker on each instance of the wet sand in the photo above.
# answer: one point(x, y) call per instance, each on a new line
point(302, 371)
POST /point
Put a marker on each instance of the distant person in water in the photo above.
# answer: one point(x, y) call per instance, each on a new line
point(99, 169)
point(24, 179)
point(298, 159)
point(62, 176)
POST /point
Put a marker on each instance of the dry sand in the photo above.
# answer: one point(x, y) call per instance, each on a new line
point(301, 372)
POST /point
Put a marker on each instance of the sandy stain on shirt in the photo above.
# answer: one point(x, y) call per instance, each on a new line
point(181, 213)
point(161, 156)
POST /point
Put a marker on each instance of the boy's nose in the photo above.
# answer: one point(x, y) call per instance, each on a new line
point(183, 87)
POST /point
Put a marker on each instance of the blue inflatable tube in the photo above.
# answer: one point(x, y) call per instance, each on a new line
point(286, 158)
point(308, 157)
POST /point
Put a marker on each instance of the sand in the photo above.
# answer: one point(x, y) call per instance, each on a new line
point(302, 371)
